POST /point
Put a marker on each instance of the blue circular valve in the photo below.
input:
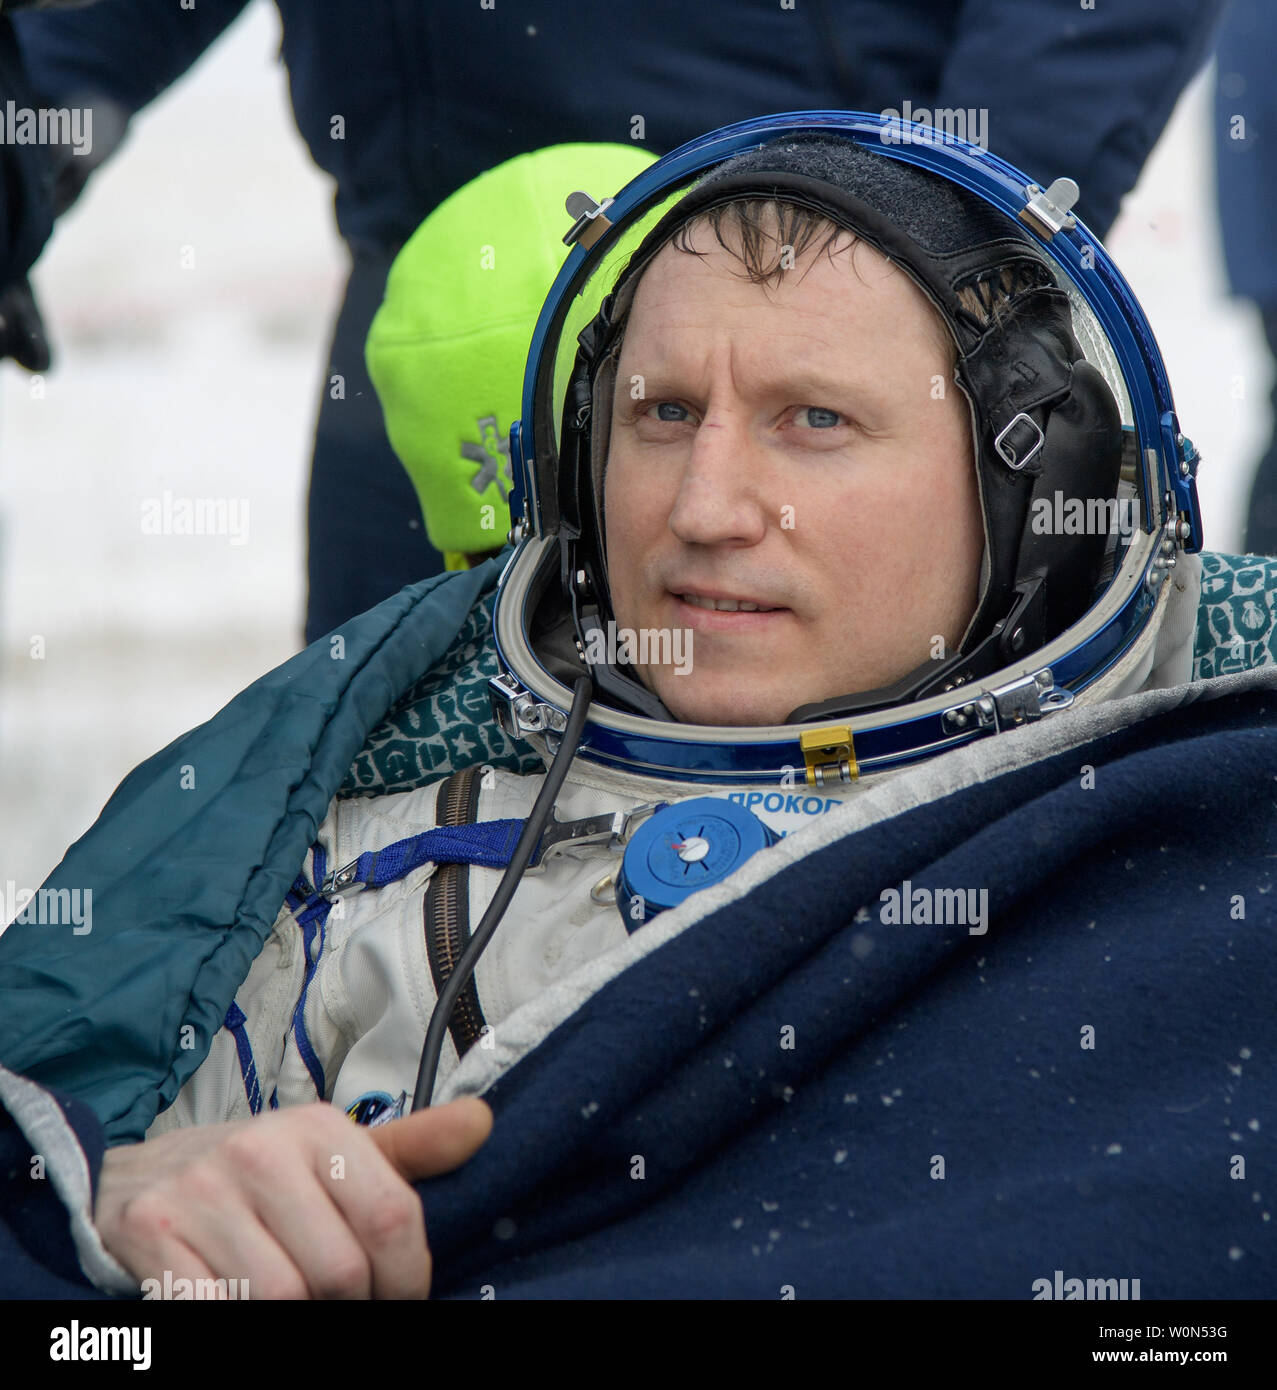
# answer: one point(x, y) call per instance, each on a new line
point(683, 848)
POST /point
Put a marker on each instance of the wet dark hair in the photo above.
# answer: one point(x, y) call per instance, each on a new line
point(758, 232)
point(764, 230)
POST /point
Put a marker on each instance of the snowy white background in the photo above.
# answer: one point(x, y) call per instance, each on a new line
point(204, 382)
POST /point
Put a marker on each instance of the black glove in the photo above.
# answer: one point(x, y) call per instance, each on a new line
point(21, 328)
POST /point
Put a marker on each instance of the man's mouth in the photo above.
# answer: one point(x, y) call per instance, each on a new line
point(727, 605)
point(726, 613)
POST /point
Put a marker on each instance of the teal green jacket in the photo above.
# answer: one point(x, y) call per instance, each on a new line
point(191, 858)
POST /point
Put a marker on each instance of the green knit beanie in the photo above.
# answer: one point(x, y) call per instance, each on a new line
point(447, 349)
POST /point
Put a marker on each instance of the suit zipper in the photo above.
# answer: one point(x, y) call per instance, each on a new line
point(446, 911)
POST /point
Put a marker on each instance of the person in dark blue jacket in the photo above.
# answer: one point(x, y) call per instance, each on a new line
point(1246, 171)
point(26, 218)
point(404, 101)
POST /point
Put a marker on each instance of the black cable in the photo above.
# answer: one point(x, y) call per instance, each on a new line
point(523, 852)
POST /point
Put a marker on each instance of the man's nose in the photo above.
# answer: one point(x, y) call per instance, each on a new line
point(718, 501)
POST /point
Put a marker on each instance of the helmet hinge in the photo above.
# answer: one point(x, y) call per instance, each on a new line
point(1048, 213)
point(1018, 702)
point(590, 223)
point(828, 754)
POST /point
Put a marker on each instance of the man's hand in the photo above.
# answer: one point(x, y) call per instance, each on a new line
point(302, 1203)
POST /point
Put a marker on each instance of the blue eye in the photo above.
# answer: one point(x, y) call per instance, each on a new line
point(665, 406)
point(819, 418)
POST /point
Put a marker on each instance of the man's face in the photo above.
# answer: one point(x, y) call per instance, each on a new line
point(788, 450)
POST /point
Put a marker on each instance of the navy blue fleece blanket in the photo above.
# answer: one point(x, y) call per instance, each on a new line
point(793, 1097)
point(773, 1091)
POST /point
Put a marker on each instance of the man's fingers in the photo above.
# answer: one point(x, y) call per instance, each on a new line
point(169, 1262)
point(434, 1141)
point(316, 1234)
point(195, 1239)
point(301, 1204)
point(334, 1204)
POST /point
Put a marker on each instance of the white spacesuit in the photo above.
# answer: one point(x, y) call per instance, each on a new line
point(1066, 391)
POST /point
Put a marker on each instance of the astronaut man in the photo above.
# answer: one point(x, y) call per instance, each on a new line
point(779, 540)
